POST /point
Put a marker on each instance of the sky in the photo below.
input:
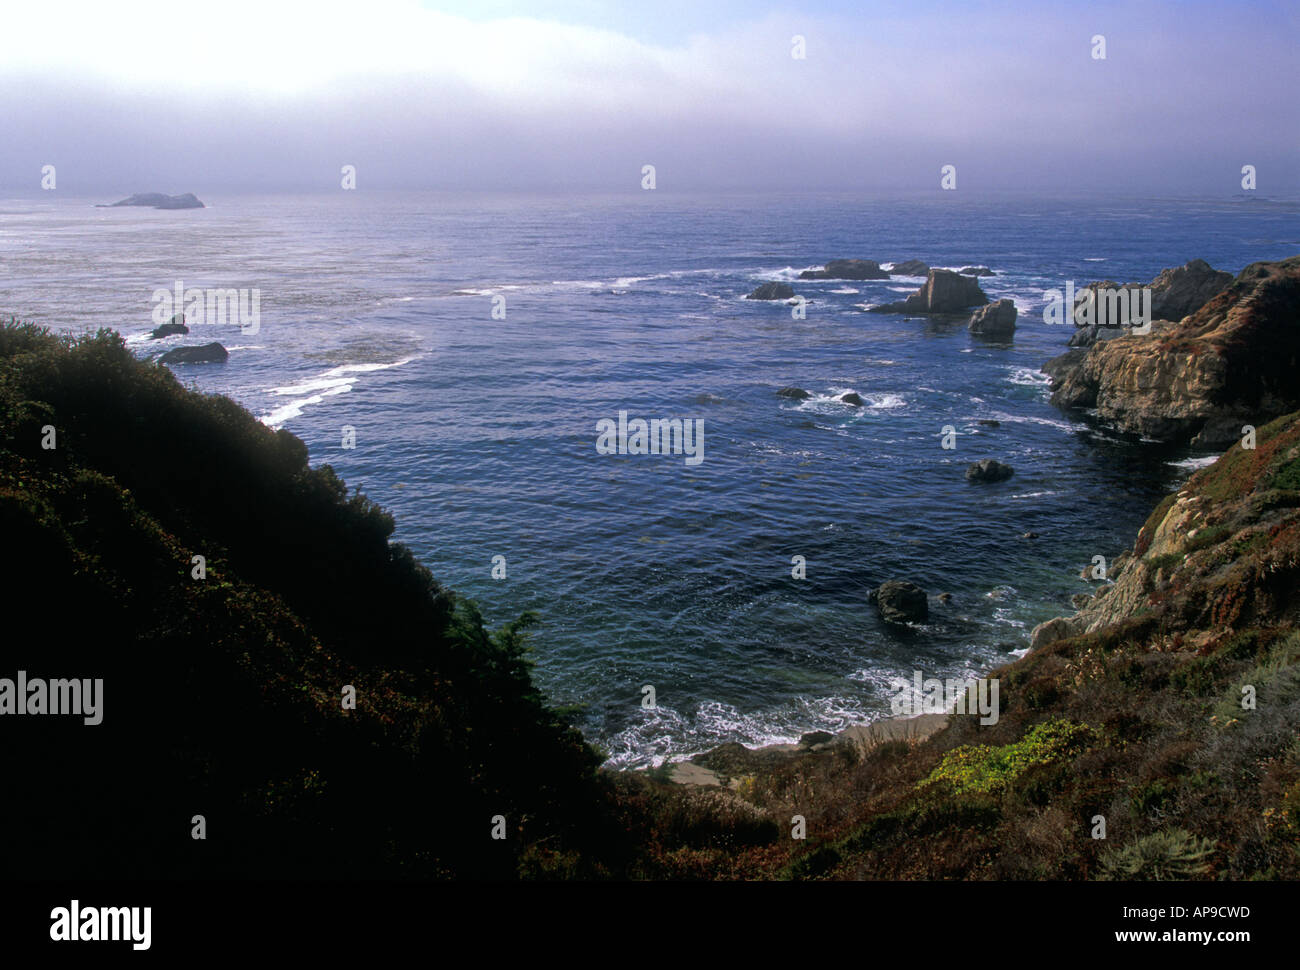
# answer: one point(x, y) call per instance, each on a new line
point(580, 95)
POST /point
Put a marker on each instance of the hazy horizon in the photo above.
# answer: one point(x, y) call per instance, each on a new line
point(579, 96)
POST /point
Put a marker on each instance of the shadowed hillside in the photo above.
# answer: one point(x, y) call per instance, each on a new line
point(223, 695)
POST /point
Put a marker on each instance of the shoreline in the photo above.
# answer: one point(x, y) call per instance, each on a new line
point(727, 764)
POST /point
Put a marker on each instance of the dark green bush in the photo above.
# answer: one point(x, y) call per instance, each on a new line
point(223, 695)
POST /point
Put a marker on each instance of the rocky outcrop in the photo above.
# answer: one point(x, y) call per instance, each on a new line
point(1222, 554)
point(171, 328)
point(901, 602)
point(212, 353)
point(995, 320)
point(1181, 291)
point(1051, 631)
point(794, 393)
point(1175, 294)
point(811, 739)
point(847, 269)
point(945, 293)
point(1062, 369)
point(156, 200)
point(854, 398)
point(910, 267)
point(864, 737)
point(1229, 364)
point(976, 271)
point(988, 470)
point(1087, 336)
point(772, 291)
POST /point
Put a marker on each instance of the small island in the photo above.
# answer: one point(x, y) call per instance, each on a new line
point(157, 200)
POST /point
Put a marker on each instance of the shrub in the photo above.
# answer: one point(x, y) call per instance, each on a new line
point(980, 768)
point(1161, 856)
point(226, 691)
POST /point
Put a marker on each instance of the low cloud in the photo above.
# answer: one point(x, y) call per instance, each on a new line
point(249, 95)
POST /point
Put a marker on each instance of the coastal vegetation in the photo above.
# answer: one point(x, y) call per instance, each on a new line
point(224, 682)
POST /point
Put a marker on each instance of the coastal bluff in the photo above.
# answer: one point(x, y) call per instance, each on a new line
point(1201, 379)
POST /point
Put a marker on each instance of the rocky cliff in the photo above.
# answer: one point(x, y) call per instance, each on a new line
point(1200, 380)
point(1221, 554)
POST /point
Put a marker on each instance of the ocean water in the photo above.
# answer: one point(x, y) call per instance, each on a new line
point(479, 433)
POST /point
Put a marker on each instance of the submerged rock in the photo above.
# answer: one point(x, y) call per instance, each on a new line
point(212, 353)
point(772, 291)
point(910, 267)
point(794, 393)
point(847, 269)
point(852, 397)
point(976, 271)
point(988, 470)
point(901, 602)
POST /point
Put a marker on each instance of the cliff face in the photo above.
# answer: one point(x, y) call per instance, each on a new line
point(1229, 364)
point(1220, 555)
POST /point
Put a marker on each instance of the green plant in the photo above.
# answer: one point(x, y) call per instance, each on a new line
point(981, 768)
point(1161, 856)
point(1166, 561)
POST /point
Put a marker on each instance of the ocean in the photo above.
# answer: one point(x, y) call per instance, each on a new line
point(478, 431)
